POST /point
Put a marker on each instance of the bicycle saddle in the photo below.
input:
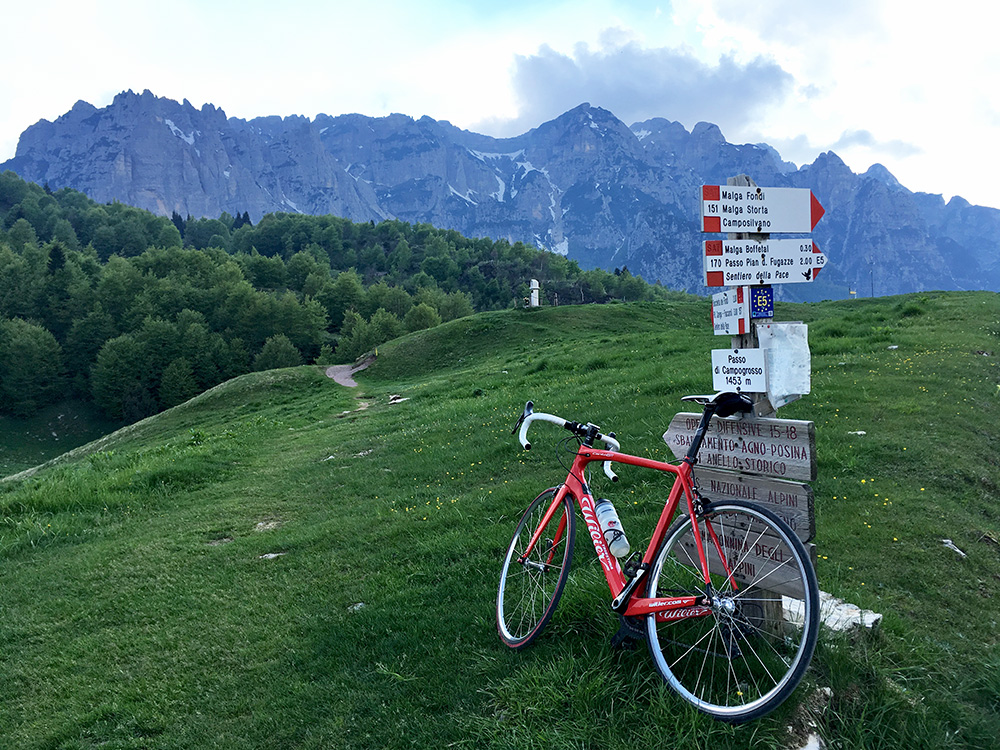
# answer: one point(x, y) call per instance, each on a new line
point(726, 403)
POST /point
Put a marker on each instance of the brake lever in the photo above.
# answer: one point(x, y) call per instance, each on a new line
point(528, 409)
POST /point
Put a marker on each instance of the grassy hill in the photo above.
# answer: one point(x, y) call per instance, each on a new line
point(286, 563)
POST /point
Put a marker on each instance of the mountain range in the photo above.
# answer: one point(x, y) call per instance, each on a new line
point(585, 185)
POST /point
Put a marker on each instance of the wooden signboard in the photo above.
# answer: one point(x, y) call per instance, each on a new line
point(752, 558)
point(792, 502)
point(782, 448)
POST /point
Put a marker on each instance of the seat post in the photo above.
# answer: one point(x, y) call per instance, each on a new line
point(706, 417)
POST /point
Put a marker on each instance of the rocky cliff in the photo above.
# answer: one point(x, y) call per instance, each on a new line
point(585, 185)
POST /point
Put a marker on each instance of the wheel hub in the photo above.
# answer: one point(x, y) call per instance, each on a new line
point(725, 605)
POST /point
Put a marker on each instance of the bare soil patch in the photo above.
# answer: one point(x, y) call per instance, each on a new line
point(344, 374)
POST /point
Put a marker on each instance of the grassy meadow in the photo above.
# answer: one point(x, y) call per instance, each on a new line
point(283, 562)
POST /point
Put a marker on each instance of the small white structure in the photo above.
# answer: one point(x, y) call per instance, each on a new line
point(535, 288)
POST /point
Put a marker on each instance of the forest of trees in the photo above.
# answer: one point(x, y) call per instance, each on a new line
point(139, 312)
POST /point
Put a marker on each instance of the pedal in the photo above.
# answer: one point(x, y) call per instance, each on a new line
point(629, 632)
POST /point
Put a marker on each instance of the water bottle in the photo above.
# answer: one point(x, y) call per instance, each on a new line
point(612, 528)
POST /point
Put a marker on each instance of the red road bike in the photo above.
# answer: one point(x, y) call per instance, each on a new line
point(726, 597)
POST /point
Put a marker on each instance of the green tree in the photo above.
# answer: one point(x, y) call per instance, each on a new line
point(168, 236)
point(160, 343)
point(400, 259)
point(85, 338)
point(420, 317)
point(278, 351)
point(629, 288)
point(299, 267)
point(104, 241)
point(303, 322)
point(12, 190)
point(21, 234)
point(262, 271)
point(197, 347)
point(178, 221)
point(325, 355)
point(351, 321)
point(346, 294)
point(442, 269)
point(231, 357)
point(385, 326)
point(317, 284)
point(64, 233)
point(118, 286)
point(31, 367)
point(178, 383)
point(66, 294)
point(365, 336)
point(15, 285)
point(202, 233)
point(116, 380)
point(456, 305)
point(130, 238)
point(392, 298)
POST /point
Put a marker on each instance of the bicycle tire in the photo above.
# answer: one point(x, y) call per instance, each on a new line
point(529, 591)
point(748, 651)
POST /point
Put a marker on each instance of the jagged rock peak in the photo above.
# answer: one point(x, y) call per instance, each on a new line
point(880, 173)
point(708, 131)
point(828, 161)
point(82, 107)
point(588, 114)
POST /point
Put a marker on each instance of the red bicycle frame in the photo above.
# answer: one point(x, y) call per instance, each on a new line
point(626, 601)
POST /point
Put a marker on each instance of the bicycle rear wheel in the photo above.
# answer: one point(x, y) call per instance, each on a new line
point(530, 590)
point(743, 653)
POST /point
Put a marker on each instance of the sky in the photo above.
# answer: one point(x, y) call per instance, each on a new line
point(913, 87)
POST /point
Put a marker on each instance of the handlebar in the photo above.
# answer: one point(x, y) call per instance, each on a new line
point(529, 415)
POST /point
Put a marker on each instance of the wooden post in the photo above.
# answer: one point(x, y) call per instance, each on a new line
point(769, 601)
point(762, 406)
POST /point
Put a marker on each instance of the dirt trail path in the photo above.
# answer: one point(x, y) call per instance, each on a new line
point(344, 374)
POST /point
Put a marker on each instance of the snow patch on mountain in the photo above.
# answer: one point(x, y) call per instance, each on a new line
point(467, 197)
point(188, 138)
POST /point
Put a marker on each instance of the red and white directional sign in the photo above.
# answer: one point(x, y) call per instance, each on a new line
point(759, 210)
point(731, 312)
point(780, 261)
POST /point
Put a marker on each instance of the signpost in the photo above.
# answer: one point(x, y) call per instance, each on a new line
point(726, 208)
point(757, 458)
point(782, 448)
point(781, 261)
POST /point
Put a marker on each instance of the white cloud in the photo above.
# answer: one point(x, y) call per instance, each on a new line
point(637, 83)
point(864, 139)
point(876, 80)
point(914, 80)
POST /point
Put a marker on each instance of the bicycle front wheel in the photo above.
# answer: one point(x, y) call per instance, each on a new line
point(741, 655)
point(530, 585)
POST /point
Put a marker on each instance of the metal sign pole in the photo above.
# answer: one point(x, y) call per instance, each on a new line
point(762, 406)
